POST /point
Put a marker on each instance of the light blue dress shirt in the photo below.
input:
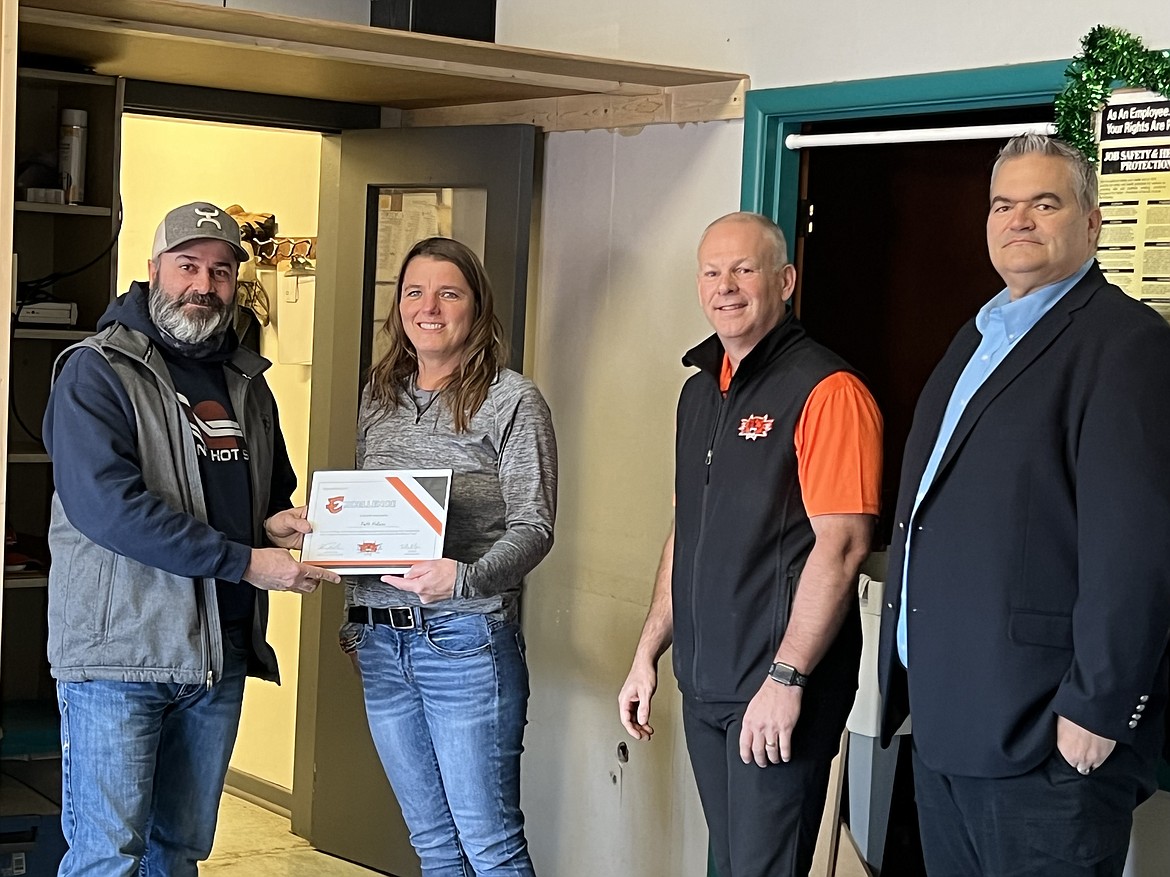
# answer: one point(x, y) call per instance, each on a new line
point(1002, 323)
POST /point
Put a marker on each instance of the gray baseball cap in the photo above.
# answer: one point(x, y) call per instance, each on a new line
point(197, 221)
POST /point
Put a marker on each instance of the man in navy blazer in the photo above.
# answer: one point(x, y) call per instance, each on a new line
point(1028, 608)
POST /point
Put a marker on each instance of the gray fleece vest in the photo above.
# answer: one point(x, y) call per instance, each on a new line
point(113, 618)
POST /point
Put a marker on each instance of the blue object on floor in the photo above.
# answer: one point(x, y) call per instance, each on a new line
point(31, 729)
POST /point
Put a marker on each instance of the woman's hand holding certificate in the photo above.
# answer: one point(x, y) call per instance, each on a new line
point(432, 580)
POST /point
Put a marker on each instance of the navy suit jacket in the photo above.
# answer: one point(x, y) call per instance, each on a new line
point(1039, 578)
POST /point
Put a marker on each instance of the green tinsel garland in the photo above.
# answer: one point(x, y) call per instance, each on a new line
point(1109, 55)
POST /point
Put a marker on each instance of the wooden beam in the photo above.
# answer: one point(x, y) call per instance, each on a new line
point(382, 41)
point(709, 101)
point(688, 103)
point(178, 36)
point(572, 113)
point(432, 80)
point(541, 112)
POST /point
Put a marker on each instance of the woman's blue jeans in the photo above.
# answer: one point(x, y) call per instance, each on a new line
point(447, 704)
point(142, 767)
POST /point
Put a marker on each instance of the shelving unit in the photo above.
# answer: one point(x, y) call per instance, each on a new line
point(52, 334)
point(15, 581)
point(27, 452)
point(63, 209)
point(64, 252)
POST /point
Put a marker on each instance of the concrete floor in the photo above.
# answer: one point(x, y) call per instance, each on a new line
point(252, 842)
point(1149, 850)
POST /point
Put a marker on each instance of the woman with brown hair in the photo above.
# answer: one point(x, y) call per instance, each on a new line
point(440, 649)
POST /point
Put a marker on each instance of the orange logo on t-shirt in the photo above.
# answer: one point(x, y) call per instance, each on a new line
point(755, 426)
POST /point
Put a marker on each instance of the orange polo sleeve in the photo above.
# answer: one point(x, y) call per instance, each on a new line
point(839, 448)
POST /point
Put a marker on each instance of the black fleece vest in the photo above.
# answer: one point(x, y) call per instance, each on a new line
point(741, 531)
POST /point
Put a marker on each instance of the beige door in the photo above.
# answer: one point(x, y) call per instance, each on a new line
point(380, 191)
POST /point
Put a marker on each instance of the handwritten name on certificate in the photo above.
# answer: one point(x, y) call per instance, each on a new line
point(377, 521)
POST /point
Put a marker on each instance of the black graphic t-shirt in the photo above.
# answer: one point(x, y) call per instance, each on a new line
point(223, 465)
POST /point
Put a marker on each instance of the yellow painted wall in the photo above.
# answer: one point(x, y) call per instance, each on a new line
point(166, 163)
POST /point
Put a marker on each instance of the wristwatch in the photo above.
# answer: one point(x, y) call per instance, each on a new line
point(786, 674)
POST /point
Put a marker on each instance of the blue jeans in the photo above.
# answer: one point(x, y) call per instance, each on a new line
point(142, 768)
point(447, 704)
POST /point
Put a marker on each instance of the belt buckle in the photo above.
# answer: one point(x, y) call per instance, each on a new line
point(401, 617)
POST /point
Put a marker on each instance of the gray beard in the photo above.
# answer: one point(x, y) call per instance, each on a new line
point(166, 312)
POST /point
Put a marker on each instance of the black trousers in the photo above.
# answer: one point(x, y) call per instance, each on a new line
point(1049, 822)
point(763, 822)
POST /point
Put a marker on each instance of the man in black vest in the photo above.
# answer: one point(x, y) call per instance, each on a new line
point(1029, 591)
point(777, 471)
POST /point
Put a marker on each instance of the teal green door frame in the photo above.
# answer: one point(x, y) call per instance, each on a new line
point(771, 171)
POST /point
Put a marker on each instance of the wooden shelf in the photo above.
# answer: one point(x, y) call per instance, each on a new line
point(36, 74)
point(52, 334)
point(25, 579)
point(431, 80)
point(27, 452)
point(63, 209)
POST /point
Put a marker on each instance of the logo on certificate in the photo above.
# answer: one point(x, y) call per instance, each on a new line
point(755, 426)
point(369, 547)
point(335, 504)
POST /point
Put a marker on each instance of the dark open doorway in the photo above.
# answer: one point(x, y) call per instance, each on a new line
point(897, 260)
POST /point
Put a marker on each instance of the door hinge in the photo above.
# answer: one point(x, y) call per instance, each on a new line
point(804, 218)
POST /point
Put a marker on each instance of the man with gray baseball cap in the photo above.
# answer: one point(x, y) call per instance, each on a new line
point(171, 521)
point(198, 220)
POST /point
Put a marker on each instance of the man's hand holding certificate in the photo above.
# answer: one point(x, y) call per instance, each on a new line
point(377, 521)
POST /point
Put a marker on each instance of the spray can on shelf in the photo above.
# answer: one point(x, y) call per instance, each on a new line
point(71, 154)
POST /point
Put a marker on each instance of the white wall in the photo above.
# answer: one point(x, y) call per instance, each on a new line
point(615, 302)
point(614, 310)
point(788, 43)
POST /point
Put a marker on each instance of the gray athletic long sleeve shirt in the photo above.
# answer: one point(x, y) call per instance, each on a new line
point(503, 490)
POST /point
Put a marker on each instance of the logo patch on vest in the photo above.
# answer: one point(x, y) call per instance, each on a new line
point(755, 426)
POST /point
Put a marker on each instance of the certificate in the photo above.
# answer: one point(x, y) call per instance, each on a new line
point(376, 521)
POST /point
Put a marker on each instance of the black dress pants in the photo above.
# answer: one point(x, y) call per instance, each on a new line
point(1049, 822)
point(763, 821)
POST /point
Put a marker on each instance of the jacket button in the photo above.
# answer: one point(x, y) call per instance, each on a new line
point(1144, 698)
point(1133, 724)
point(901, 526)
point(1140, 707)
point(1136, 716)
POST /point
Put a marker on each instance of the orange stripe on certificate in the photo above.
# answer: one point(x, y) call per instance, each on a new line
point(417, 504)
point(339, 564)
